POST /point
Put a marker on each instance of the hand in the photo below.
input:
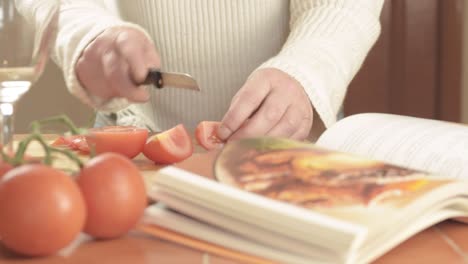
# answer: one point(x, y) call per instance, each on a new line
point(270, 103)
point(115, 63)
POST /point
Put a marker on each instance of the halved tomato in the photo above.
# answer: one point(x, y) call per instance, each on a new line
point(206, 135)
point(126, 140)
point(170, 146)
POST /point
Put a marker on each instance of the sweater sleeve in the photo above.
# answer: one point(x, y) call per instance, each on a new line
point(327, 44)
point(80, 21)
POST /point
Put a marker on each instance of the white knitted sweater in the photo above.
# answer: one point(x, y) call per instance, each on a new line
point(321, 43)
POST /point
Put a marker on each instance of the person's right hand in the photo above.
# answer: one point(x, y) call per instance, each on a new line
point(114, 63)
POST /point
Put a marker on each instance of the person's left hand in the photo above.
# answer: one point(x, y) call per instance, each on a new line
point(271, 103)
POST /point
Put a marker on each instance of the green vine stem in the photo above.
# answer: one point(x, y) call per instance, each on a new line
point(5, 157)
point(72, 156)
point(23, 145)
point(36, 135)
point(61, 119)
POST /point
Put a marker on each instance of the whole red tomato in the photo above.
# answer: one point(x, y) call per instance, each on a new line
point(41, 210)
point(170, 146)
point(115, 195)
point(206, 135)
point(4, 168)
point(126, 140)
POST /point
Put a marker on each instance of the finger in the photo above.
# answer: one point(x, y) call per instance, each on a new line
point(116, 73)
point(244, 104)
point(294, 123)
point(302, 133)
point(267, 116)
point(152, 59)
point(288, 124)
point(136, 51)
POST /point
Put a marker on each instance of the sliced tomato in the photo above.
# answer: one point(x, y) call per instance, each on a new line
point(61, 141)
point(206, 135)
point(126, 140)
point(170, 146)
point(73, 142)
point(79, 143)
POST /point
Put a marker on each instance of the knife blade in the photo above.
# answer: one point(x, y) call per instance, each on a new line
point(161, 79)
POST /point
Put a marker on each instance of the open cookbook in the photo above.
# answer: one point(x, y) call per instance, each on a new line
point(370, 182)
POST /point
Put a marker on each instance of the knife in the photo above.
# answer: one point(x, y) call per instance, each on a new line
point(162, 79)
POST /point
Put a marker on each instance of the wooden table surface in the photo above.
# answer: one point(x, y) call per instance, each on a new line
point(444, 243)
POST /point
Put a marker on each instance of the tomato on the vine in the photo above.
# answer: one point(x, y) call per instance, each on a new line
point(126, 140)
point(4, 168)
point(115, 195)
point(206, 135)
point(170, 146)
point(41, 210)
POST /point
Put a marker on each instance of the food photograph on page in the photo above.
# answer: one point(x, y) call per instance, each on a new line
point(315, 178)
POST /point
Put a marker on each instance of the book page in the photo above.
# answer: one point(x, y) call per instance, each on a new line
point(302, 192)
point(162, 216)
point(429, 145)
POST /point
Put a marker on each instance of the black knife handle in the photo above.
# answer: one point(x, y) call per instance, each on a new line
point(154, 77)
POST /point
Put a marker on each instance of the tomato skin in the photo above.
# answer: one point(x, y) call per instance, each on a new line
point(115, 195)
point(126, 140)
point(41, 210)
point(170, 146)
point(4, 168)
point(206, 135)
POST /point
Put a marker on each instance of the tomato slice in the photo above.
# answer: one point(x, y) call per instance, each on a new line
point(79, 143)
point(126, 140)
point(61, 142)
point(206, 135)
point(170, 146)
point(73, 142)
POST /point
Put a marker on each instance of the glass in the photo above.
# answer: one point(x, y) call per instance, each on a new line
point(27, 32)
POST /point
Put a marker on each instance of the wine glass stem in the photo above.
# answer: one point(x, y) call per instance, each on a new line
point(6, 121)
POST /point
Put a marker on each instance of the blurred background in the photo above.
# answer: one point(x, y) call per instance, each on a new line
point(418, 67)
